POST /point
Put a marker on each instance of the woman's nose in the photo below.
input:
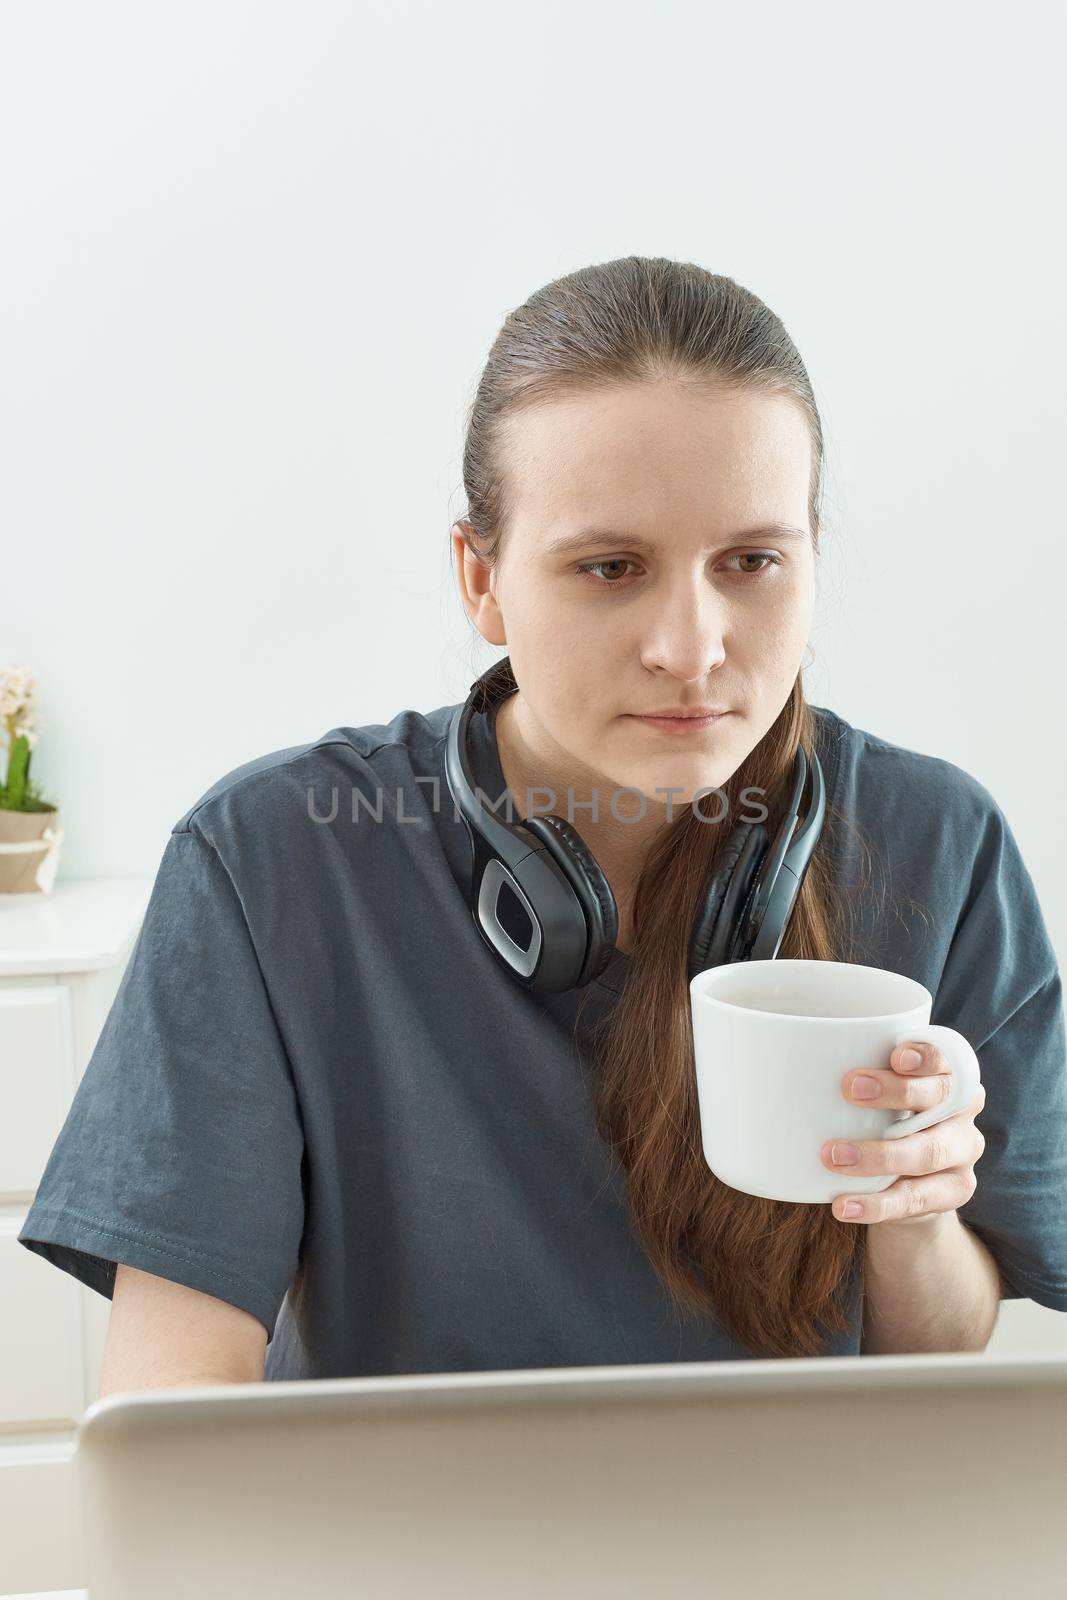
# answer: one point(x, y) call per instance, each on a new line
point(684, 632)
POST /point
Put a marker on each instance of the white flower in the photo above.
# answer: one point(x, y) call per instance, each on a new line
point(18, 697)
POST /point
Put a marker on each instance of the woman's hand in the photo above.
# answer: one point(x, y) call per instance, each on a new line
point(937, 1164)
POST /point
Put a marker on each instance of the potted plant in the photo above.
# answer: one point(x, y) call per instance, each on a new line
point(30, 833)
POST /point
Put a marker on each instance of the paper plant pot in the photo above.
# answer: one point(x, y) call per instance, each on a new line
point(29, 850)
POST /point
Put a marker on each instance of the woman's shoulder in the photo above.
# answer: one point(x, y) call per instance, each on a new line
point(934, 849)
point(872, 775)
point(365, 757)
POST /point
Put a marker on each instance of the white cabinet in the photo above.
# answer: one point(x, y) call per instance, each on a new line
point(36, 1078)
point(62, 957)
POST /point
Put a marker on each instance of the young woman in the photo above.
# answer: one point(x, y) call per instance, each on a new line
point(323, 1092)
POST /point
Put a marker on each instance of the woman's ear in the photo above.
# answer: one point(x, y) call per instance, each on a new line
point(477, 589)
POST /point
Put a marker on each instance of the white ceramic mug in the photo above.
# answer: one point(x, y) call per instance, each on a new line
point(773, 1041)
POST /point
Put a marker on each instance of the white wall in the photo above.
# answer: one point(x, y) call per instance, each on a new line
point(253, 257)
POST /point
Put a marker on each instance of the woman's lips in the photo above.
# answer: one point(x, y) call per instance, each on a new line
point(682, 725)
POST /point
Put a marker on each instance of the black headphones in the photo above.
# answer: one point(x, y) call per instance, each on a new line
point(544, 906)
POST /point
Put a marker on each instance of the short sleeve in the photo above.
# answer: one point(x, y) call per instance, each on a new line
point(182, 1150)
point(1002, 990)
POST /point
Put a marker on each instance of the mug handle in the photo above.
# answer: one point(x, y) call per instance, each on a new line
point(966, 1077)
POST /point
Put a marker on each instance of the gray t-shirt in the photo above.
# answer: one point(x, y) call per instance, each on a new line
point(318, 1095)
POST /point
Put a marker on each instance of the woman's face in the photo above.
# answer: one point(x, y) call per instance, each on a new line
point(674, 588)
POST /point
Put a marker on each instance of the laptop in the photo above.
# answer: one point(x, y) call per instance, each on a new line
point(936, 1475)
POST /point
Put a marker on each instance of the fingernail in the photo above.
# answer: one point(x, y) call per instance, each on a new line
point(844, 1155)
point(866, 1088)
point(909, 1060)
point(851, 1208)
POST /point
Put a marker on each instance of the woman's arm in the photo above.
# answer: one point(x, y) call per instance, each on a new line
point(162, 1334)
point(930, 1285)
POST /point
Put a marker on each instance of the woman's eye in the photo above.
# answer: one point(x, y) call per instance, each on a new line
point(767, 559)
point(758, 555)
point(605, 583)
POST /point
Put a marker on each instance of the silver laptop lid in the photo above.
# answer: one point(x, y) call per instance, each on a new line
point(936, 1475)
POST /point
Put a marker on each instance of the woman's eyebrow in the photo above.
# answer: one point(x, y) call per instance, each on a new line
point(590, 536)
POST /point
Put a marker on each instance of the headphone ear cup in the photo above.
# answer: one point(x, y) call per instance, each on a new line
point(567, 847)
point(714, 941)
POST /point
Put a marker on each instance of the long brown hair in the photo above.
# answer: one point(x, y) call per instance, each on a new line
point(772, 1274)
